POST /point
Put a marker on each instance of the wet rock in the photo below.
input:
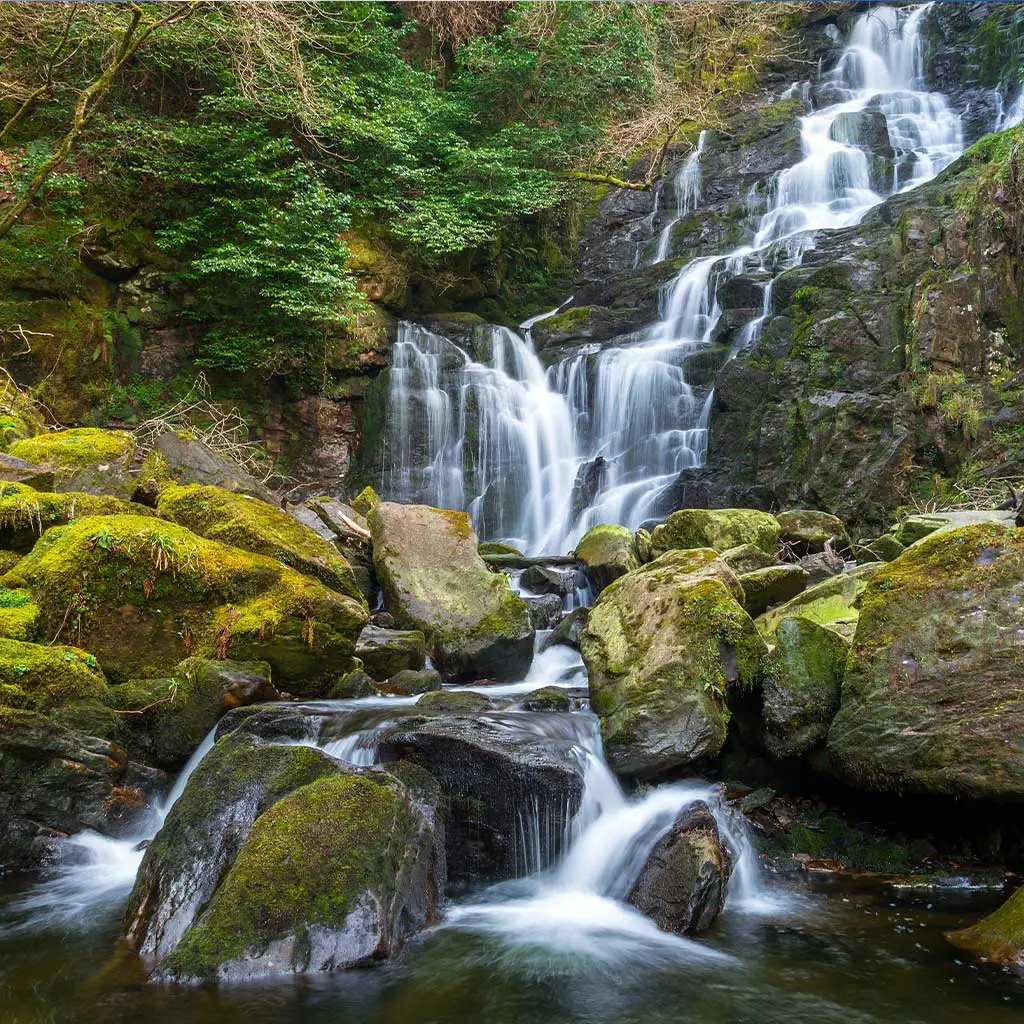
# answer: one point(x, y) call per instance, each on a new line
point(662, 647)
point(568, 631)
point(720, 529)
point(499, 784)
point(409, 682)
point(454, 702)
point(807, 532)
point(189, 461)
point(683, 884)
point(434, 580)
point(87, 460)
point(493, 547)
point(542, 580)
point(384, 652)
point(589, 480)
point(642, 546)
point(747, 558)
point(606, 552)
point(547, 698)
point(766, 587)
point(21, 471)
point(356, 683)
point(931, 698)
point(545, 611)
point(802, 686)
point(998, 938)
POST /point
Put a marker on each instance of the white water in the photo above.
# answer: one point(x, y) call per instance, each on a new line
point(494, 433)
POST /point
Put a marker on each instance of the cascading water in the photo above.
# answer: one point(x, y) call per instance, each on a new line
point(496, 434)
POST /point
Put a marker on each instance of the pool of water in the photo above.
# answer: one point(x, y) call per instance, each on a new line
point(828, 951)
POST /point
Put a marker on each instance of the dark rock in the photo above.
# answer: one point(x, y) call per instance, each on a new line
point(353, 684)
point(189, 461)
point(385, 652)
point(21, 471)
point(548, 698)
point(568, 630)
point(766, 587)
point(545, 610)
point(589, 481)
point(409, 682)
point(543, 580)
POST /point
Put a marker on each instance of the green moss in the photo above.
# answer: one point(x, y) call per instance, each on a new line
point(20, 417)
point(365, 500)
point(19, 615)
point(720, 529)
point(461, 702)
point(491, 547)
point(69, 450)
point(827, 836)
point(834, 602)
point(256, 526)
point(567, 322)
point(998, 937)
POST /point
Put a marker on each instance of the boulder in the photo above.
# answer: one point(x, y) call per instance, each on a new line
point(719, 528)
point(766, 587)
point(366, 500)
point(21, 471)
point(747, 558)
point(606, 552)
point(545, 610)
point(807, 532)
point(931, 701)
point(494, 547)
point(998, 938)
point(168, 718)
point(20, 417)
point(454, 702)
point(802, 686)
point(339, 519)
point(917, 527)
point(253, 525)
point(547, 698)
point(384, 652)
point(569, 630)
point(642, 546)
point(142, 593)
point(189, 461)
point(543, 580)
point(353, 685)
point(86, 459)
point(834, 603)
point(509, 794)
point(886, 547)
point(409, 682)
point(434, 580)
point(662, 647)
point(822, 565)
point(19, 615)
point(683, 883)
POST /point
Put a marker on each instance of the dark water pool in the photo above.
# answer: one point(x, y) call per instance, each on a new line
point(834, 952)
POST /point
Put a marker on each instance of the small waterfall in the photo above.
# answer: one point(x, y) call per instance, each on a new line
point(1012, 115)
point(493, 433)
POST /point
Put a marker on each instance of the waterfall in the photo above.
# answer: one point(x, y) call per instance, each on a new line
point(493, 432)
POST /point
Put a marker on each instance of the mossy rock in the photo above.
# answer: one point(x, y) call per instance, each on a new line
point(747, 558)
point(20, 417)
point(917, 527)
point(547, 698)
point(998, 938)
point(834, 603)
point(773, 585)
point(434, 580)
point(365, 501)
point(337, 874)
point(454, 702)
point(354, 684)
point(932, 701)
point(8, 560)
point(718, 528)
point(19, 615)
point(802, 686)
point(385, 652)
point(85, 459)
point(607, 553)
point(808, 531)
point(25, 513)
point(410, 682)
point(167, 719)
point(142, 593)
point(253, 525)
point(64, 683)
point(663, 646)
point(494, 547)
point(152, 477)
point(886, 547)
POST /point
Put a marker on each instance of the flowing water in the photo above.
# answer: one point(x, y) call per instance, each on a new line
point(486, 427)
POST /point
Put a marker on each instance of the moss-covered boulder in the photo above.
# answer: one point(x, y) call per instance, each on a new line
point(777, 583)
point(365, 501)
point(19, 615)
point(834, 603)
point(86, 459)
point(142, 593)
point(802, 686)
point(187, 460)
point(25, 513)
point(347, 531)
point(917, 527)
point(384, 652)
point(807, 531)
point(20, 417)
point(886, 547)
point(234, 784)
point(434, 580)
point(409, 682)
point(683, 883)
point(998, 938)
point(718, 528)
point(496, 547)
point(547, 698)
point(932, 701)
point(253, 525)
point(607, 553)
point(167, 719)
point(339, 873)
point(747, 558)
point(454, 702)
point(662, 646)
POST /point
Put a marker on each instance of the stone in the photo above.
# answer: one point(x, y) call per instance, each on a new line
point(454, 702)
point(354, 684)
point(158, 592)
point(384, 652)
point(547, 698)
point(189, 461)
point(409, 682)
point(997, 938)
point(545, 610)
point(747, 558)
point(606, 552)
point(542, 580)
point(931, 700)
point(822, 565)
point(21, 471)
point(682, 885)
point(886, 547)
point(20, 416)
point(489, 774)
point(19, 614)
point(720, 529)
point(807, 532)
point(663, 646)
point(589, 480)
point(494, 547)
point(253, 525)
point(86, 459)
point(642, 546)
point(766, 587)
point(338, 519)
point(434, 580)
point(917, 527)
point(802, 686)
point(569, 630)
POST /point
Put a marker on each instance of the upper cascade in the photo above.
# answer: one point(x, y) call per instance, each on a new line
point(540, 455)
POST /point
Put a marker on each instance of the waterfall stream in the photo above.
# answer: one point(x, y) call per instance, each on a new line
point(494, 432)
